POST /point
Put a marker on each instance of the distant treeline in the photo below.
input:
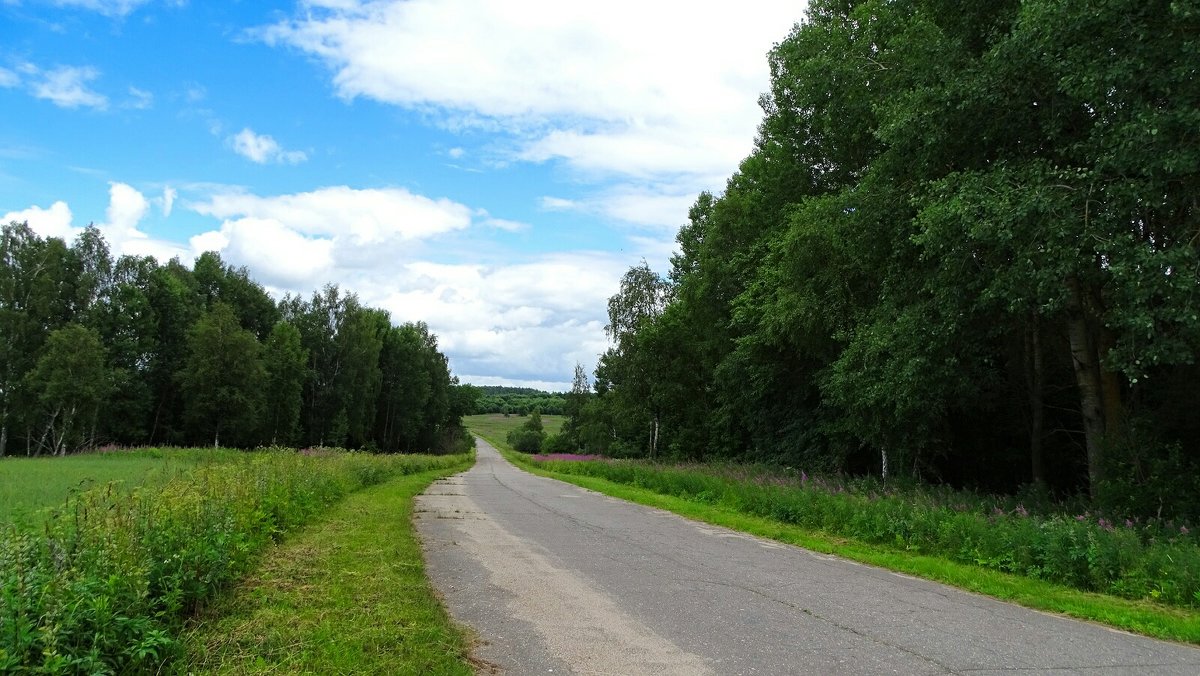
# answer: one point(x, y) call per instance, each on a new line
point(518, 400)
point(127, 351)
point(965, 248)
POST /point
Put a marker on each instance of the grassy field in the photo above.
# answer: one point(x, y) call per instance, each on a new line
point(495, 426)
point(346, 595)
point(28, 486)
point(1140, 616)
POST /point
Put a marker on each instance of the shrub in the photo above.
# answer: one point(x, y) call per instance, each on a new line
point(526, 440)
point(558, 443)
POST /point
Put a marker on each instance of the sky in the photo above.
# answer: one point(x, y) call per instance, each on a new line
point(491, 168)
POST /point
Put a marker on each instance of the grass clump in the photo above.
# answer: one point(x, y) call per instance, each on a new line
point(106, 583)
point(348, 594)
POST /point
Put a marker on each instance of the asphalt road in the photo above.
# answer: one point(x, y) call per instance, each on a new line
point(557, 579)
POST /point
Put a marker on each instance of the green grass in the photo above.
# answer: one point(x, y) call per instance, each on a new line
point(112, 577)
point(1143, 617)
point(496, 426)
point(348, 594)
point(28, 486)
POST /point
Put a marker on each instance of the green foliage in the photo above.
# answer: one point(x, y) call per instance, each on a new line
point(185, 356)
point(518, 400)
point(106, 586)
point(963, 249)
point(223, 377)
point(526, 440)
point(70, 380)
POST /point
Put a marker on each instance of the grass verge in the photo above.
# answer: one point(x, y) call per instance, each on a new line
point(1142, 617)
point(348, 594)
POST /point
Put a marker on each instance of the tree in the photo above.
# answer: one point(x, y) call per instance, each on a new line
point(70, 380)
point(284, 361)
point(223, 377)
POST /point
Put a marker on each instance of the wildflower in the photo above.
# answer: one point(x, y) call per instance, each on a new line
point(1183, 530)
point(1128, 523)
point(803, 477)
point(1021, 511)
point(1081, 518)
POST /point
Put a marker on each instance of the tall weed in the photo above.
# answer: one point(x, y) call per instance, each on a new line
point(107, 583)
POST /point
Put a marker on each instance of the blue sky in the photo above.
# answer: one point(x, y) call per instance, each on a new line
point(491, 168)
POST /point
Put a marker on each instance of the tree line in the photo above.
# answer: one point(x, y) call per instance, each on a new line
point(518, 400)
point(130, 352)
point(963, 249)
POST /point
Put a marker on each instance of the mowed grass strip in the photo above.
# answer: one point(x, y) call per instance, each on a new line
point(346, 595)
point(1142, 617)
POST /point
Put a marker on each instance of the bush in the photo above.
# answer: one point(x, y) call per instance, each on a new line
point(526, 440)
point(558, 443)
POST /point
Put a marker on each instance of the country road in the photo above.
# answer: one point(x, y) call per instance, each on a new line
point(557, 579)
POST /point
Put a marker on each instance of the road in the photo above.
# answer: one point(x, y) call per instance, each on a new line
point(557, 579)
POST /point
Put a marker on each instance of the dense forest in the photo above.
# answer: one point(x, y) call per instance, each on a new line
point(518, 400)
point(99, 351)
point(964, 249)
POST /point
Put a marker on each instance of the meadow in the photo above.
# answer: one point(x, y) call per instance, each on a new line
point(30, 486)
point(1142, 576)
point(113, 576)
point(497, 425)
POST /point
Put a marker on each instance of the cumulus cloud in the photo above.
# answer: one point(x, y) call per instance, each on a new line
point(604, 78)
point(530, 319)
point(67, 87)
point(126, 208)
point(54, 221)
point(364, 216)
point(631, 95)
point(263, 149)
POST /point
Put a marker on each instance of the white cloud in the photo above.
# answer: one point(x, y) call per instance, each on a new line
point(367, 216)
point(168, 200)
point(139, 99)
point(456, 153)
point(661, 207)
point(263, 148)
point(526, 321)
point(530, 320)
point(8, 78)
point(126, 209)
point(52, 222)
point(626, 87)
point(67, 87)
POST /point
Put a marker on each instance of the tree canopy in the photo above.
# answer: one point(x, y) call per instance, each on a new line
point(964, 248)
point(100, 351)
